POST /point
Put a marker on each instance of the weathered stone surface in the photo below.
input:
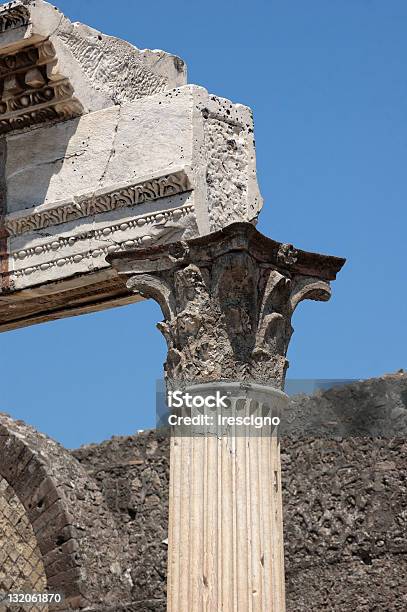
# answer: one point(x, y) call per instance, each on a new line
point(142, 173)
point(52, 69)
point(133, 474)
point(227, 300)
point(345, 499)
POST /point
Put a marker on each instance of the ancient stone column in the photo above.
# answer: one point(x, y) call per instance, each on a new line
point(227, 300)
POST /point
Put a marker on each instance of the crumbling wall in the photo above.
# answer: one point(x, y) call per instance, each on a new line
point(345, 503)
point(133, 473)
point(345, 524)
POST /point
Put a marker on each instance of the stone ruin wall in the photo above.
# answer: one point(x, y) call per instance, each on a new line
point(56, 530)
point(133, 473)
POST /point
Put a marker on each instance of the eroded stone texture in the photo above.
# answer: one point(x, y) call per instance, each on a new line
point(345, 499)
point(227, 301)
point(231, 175)
point(133, 474)
point(52, 69)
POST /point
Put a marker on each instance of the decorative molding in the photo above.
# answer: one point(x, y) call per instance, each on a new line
point(68, 110)
point(33, 90)
point(75, 259)
point(157, 220)
point(287, 254)
point(13, 17)
point(154, 189)
point(18, 61)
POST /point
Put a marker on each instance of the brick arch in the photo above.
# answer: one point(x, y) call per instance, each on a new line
point(71, 528)
point(21, 563)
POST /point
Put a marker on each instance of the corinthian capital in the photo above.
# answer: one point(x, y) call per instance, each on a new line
point(227, 300)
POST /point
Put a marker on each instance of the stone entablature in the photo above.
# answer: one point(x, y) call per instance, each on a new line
point(52, 70)
point(168, 167)
point(103, 148)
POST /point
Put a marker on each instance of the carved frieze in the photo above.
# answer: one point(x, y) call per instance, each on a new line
point(154, 189)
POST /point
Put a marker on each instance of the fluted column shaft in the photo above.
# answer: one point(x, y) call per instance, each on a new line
point(225, 530)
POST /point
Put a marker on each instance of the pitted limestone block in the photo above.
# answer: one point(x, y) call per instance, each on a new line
point(166, 167)
point(52, 69)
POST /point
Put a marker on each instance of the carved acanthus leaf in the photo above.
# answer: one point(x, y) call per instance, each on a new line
point(156, 288)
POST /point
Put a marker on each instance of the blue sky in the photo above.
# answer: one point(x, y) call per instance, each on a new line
point(328, 85)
